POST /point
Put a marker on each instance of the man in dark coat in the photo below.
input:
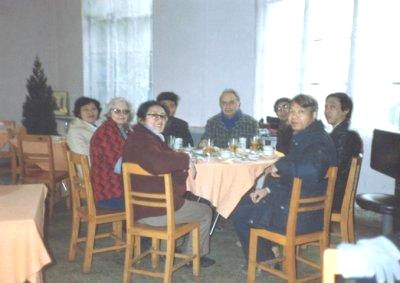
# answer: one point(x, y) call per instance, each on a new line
point(311, 153)
point(175, 127)
point(338, 109)
point(285, 132)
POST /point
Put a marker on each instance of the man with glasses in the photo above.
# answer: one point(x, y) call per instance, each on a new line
point(285, 132)
point(230, 123)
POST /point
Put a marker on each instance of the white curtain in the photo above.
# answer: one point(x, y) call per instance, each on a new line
point(117, 48)
point(318, 47)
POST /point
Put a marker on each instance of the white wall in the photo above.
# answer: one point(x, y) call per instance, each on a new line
point(50, 29)
point(201, 48)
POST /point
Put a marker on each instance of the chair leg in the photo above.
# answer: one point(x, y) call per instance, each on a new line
point(344, 233)
point(73, 244)
point(87, 262)
point(290, 262)
point(350, 230)
point(169, 260)
point(117, 231)
point(13, 170)
point(196, 251)
point(252, 262)
point(137, 248)
point(155, 246)
point(128, 258)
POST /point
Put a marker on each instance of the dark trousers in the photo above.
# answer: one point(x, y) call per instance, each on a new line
point(240, 218)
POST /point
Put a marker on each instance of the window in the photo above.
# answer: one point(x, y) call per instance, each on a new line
point(320, 47)
point(117, 49)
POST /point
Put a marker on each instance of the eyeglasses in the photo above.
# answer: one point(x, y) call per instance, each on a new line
point(157, 116)
point(283, 107)
point(121, 111)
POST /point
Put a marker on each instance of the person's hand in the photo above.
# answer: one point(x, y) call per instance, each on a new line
point(258, 195)
point(273, 171)
point(192, 168)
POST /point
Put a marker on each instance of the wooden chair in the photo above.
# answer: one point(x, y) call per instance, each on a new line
point(34, 150)
point(345, 217)
point(8, 151)
point(290, 241)
point(170, 233)
point(84, 210)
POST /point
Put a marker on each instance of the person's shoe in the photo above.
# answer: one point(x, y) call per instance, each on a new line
point(243, 269)
point(204, 262)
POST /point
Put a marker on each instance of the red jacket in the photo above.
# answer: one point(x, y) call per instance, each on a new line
point(106, 146)
point(152, 154)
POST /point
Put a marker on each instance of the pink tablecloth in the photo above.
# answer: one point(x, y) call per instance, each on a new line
point(22, 251)
point(223, 183)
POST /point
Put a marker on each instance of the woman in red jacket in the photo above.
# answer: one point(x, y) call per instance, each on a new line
point(106, 148)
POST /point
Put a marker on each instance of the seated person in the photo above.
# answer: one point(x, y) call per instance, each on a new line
point(230, 123)
point(106, 148)
point(146, 147)
point(309, 157)
point(81, 129)
point(338, 109)
point(285, 132)
point(175, 127)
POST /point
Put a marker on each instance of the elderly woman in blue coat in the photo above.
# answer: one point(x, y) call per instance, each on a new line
point(311, 153)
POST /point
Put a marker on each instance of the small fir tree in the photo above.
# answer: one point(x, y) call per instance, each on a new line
point(38, 109)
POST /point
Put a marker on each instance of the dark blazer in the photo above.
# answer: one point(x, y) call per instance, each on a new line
point(284, 136)
point(178, 128)
point(152, 154)
point(311, 153)
point(348, 145)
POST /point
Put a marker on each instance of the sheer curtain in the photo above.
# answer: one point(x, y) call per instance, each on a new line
point(117, 49)
point(319, 47)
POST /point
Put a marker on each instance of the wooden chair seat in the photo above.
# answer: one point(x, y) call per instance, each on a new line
point(84, 210)
point(170, 232)
point(291, 240)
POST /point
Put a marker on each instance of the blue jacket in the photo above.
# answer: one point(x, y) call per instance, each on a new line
point(311, 153)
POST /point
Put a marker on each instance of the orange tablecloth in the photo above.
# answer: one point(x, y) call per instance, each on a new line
point(22, 251)
point(224, 184)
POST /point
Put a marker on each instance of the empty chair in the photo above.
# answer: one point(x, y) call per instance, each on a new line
point(170, 232)
point(290, 241)
point(345, 217)
point(36, 152)
point(84, 210)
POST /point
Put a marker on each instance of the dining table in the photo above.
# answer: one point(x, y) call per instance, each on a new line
point(224, 182)
point(23, 253)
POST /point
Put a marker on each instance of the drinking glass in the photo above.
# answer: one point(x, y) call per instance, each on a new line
point(233, 145)
point(255, 143)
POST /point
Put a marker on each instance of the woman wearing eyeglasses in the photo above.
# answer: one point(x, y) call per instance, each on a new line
point(146, 146)
point(106, 148)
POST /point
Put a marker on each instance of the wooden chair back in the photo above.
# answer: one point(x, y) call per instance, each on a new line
point(81, 186)
point(300, 204)
point(346, 215)
point(170, 232)
point(134, 197)
point(35, 149)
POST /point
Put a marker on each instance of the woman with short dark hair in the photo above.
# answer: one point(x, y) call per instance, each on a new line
point(80, 131)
